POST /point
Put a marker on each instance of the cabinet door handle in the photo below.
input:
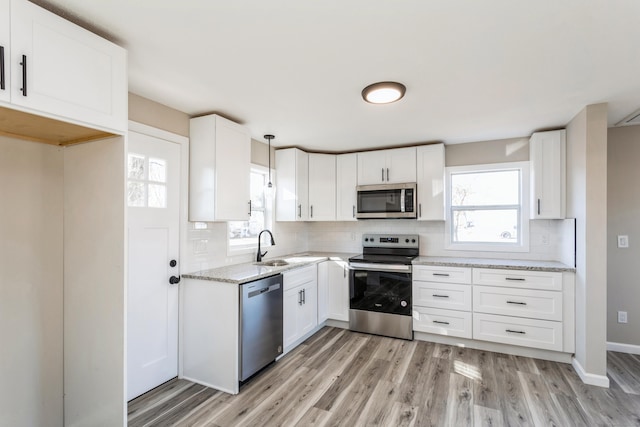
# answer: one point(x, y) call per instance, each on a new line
point(2, 82)
point(515, 332)
point(516, 302)
point(304, 296)
point(382, 174)
point(387, 174)
point(249, 207)
point(420, 210)
point(440, 322)
point(311, 208)
point(515, 279)
point(299, 211)
point(440, 296)
point(299, 297)
point(538, 206)
point(354, 211)
point(24, 75)
point(441, 274)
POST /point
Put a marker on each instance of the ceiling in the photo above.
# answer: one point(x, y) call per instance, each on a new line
point(474, 70)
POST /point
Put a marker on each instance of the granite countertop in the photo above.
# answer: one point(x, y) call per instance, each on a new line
point(513, 264)
point(249, 271)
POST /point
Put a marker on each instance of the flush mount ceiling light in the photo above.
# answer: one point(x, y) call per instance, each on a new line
point(383, 92)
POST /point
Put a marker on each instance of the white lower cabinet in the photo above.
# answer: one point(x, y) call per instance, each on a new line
point(445, 322)
point(300, 304)
point(535, 333)
point(531, 303)
point(333, 290)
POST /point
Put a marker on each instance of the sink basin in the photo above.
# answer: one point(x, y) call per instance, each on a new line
point(273, 263)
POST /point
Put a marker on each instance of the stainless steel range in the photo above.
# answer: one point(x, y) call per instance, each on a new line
point(380, 285)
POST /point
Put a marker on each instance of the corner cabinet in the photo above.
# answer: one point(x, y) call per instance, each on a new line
point(55, 67)
point(322, 187)
point(292, 194)
point(333, 290)
point(430, 170)
point(393, 166)
point(220, 159)
point(300, 305)
point(346, 182)
point(547, 156)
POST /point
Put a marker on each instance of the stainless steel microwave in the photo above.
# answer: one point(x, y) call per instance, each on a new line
point(386, 201)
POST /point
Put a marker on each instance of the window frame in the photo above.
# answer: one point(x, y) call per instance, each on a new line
point(522, 245)
point(268, 216)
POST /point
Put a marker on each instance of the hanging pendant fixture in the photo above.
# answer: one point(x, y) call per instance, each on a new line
point(269, 189)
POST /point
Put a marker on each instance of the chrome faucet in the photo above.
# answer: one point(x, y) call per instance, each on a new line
point(273, 242)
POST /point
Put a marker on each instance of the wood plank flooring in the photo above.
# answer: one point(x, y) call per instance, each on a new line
point(344, 378)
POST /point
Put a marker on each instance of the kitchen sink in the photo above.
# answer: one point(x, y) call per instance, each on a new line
point(273, 263)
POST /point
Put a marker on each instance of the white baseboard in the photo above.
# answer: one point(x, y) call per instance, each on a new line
point(587, 378)
point(623, 348)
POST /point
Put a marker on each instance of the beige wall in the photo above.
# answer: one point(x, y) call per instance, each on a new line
point(623, 207)
point(259, 154)
point(486, 152)
point(31, 289)
point(145, 111)
point(586, 196)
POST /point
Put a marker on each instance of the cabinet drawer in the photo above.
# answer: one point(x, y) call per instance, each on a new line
point(444, 322)
point(441, 274)
point(534, 304)
point(442, 295)
point(542, 334)
point(544, 280)
point(296, 277)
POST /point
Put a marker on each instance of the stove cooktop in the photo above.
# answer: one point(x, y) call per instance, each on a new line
point(383, 259)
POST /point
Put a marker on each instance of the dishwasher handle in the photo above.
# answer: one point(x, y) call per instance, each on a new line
point(265, 290)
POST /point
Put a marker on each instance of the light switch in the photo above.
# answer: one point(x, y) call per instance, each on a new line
point(623, 241)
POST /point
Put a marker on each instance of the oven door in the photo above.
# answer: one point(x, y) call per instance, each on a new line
point(382, 289)
point(386, 201)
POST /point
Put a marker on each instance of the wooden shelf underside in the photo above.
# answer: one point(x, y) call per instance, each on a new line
point(21, 125)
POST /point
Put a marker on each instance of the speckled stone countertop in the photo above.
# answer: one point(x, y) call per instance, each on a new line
point(249, 271)
point(513, 264)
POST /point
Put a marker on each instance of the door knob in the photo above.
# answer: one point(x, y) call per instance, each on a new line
point(173, 263)
point(174, 280)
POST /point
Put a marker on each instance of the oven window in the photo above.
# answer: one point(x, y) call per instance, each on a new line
point(379, 201)
point(384, 292)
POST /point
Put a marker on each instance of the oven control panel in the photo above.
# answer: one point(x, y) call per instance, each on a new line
point(390, 241)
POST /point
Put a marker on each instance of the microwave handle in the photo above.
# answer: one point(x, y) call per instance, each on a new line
point(402, 192)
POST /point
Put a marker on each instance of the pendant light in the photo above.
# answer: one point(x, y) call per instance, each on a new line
point(269, 191)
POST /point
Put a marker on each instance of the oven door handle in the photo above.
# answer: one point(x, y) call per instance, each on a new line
point(379, 267)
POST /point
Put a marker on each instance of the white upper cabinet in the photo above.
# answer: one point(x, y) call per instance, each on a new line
point(393, 166)
point(220, 159)
point(547, 155)
point(292, 195)
point(322, 187)
point(430, 165)
point(5, 38)
point(346, 182)
point(62, 70)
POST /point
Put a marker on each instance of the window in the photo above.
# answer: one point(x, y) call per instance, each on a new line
point(243, 235)
point(146, 181)
point(488, 208)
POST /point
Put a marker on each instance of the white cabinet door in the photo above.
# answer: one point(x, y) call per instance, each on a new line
point(371, 167)
point(5, 48)
point(430, 169)
point(323, 291)
point(547, 155)
point(220, 157)
point(322, 187)
point(338, 291)
point(308, 313)
point(292, 299)
point(292, 194)
point(346, 182)
point(401, 165)
point(64, 70)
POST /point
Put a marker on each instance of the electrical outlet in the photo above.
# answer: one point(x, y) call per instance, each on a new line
point(623, 241)
point(622, 317)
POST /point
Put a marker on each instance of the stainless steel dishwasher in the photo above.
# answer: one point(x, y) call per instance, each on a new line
point(261, 324)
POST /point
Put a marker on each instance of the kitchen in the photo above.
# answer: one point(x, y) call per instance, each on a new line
point(590, 153)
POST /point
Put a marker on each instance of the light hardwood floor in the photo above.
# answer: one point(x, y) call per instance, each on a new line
point(344, 378)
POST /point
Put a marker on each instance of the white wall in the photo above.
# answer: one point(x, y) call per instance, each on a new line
point(586, 201)
point(94, 284)
point(31, 188)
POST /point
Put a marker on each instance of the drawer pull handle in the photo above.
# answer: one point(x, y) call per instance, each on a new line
point(516, 302)
point(440, 322)
point(440, 296)
point(441, 274)
point(515, 332)
point(515, 279)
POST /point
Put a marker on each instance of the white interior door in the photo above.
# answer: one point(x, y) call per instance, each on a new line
point(153, 186)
